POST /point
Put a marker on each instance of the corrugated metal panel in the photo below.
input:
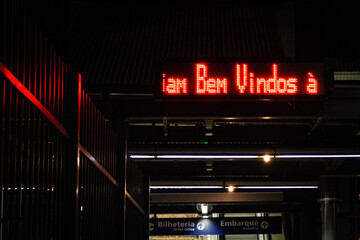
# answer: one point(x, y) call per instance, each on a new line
point(120, 52)
point(33, 152)
point(346, 70)
point(347, 64)
point(45, 190)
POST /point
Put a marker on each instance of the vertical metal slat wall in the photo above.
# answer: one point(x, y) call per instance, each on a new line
point(32, 148)
point(59, 177)
point(99, 190)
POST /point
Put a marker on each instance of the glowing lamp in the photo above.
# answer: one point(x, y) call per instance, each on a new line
point(231, 188)
point(267, 158)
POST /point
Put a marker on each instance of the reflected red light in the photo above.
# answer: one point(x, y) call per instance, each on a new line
point(20, 87)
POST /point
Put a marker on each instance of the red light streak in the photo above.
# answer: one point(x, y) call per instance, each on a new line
point(20, 87)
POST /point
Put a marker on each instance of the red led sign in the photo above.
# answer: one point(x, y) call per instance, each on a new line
point(236, 79)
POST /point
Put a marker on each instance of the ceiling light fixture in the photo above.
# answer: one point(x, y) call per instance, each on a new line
point(264, 157)
point(207, 156)
point(185, 187)
point(278, 187)
point(142, 156)
point(320, 156)
point(267, 158)
point(204, 209)
point(231, 188)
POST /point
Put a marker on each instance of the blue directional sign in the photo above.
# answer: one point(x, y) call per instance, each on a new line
point(215, 226)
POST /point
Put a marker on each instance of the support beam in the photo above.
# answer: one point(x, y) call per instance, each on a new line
point(216, 197)
point(328, 208)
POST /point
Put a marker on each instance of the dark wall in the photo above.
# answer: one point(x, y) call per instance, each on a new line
point(326, 29)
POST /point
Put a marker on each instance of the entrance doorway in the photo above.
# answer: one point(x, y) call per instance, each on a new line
point(198, 160)
point(244, 218)
point(289, 206)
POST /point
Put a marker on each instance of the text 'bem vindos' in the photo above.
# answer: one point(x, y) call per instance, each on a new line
point(242, 79)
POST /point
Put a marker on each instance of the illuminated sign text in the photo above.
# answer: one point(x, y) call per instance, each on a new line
point(243, 79)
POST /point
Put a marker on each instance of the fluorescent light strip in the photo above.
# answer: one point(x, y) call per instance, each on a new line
point(142, 156)
point(240, 187)
point(194, 156)
point(321, 156)
point(207, 156)
point(241, 156)
point(278, 187)
point(185, 187)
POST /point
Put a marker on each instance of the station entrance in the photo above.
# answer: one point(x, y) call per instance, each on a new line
point(178, 121)
point(245, 167)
